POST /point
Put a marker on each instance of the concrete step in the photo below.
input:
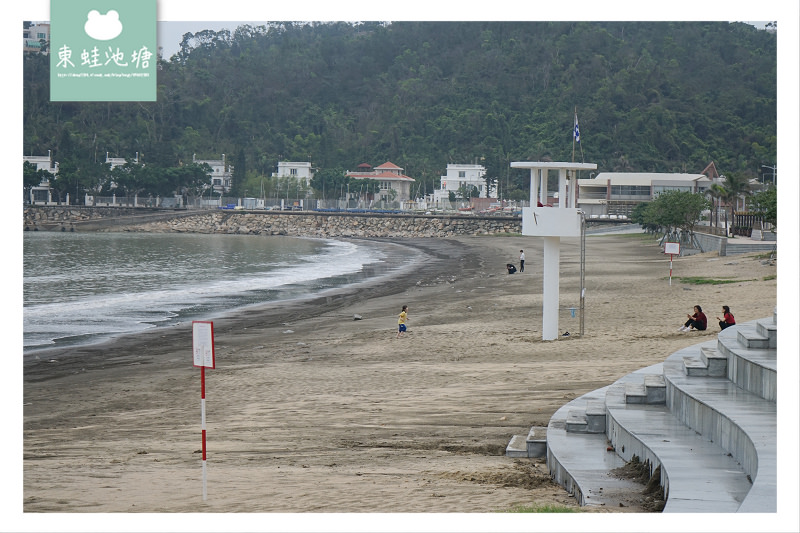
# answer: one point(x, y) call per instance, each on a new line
point(767, 328)
point(693, 366)
point(576, 421)
point(753, 369)
point(656, 388)
point(696, 474)
point(583, 463)
point(635, 393)
point(715, 442)
point(536, 441)
point(532, 445)
point(716, 362)
point(652, 390)
point(741, 423)
point(732, 248)
point(517, 447)
point(751, 338)
point(596, 417)
point(705, 361)
point(763, 235)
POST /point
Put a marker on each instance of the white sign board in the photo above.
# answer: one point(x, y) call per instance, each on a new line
point(203, 343)
point(672, 248)
point(551, 222)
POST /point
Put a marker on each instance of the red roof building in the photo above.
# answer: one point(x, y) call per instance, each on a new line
point(390, 177)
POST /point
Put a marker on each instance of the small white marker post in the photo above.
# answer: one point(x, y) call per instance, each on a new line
point(671, 248)
point(203, 352)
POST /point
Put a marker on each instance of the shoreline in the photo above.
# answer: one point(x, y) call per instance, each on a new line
point(371, 275)
point(74, 358)
point(339, 416)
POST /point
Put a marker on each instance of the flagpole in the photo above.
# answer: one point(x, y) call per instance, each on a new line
point(573, 133)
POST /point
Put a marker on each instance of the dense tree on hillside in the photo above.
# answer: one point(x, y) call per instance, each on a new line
point(328, 182)
point(651, 96)
point(239, 176)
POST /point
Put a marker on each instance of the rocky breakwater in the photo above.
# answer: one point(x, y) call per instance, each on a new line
point(54, 217)
point(331, 224)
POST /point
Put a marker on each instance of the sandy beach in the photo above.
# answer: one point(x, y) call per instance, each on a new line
point(311, 411)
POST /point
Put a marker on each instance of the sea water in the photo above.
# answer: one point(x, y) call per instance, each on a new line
point(80, 288)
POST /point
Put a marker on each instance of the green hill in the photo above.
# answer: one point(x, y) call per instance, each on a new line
point(650, 96)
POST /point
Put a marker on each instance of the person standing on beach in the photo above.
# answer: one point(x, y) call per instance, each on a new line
point(402, 318)
point(521, 261)
point(727, 319)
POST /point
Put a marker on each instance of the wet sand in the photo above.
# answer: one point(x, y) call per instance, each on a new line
point(312, 412)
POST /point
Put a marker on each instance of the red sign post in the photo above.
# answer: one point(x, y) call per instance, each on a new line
point(203, 353)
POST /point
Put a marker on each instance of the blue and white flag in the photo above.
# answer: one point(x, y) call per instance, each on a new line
point(577, 131)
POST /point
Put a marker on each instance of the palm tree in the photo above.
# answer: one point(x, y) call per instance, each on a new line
point(734, 187)
point(714, 192)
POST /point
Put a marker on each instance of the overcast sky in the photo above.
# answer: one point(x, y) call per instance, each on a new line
point(170, 33)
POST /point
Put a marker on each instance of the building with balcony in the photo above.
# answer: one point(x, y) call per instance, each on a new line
point(617, 193)
point(42, 194)
point(34, 35)
point(114, 162)
point(299, 170)
point(390, 178)
point(459, 178)
point(221, 173)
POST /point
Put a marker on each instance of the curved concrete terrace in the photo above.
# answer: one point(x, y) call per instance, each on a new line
point(712, 434)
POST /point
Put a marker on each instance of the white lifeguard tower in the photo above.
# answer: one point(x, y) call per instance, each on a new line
point(552, 223)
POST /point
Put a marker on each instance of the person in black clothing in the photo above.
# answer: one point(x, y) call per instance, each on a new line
point(697, 321)
point(511, 268)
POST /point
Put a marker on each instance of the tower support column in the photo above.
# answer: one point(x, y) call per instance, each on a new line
point(550, 280)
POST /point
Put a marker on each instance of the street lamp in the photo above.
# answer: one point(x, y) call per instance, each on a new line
point(774, 170)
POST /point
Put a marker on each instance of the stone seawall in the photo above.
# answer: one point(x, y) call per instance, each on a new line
point(306, 224)
point(332, 225)
point(56, 215)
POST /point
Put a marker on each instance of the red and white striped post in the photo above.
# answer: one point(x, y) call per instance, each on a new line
point(203, 351)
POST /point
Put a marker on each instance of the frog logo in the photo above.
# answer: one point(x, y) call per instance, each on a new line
point(103, 27)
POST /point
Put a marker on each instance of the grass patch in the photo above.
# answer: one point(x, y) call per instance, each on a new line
point(710, 281)
point(640, 235)
point(542, 509)
point(632, 236)
point(767, 255)
point(768, 278)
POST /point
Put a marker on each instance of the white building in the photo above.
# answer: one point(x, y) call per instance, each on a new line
point(221, 173)
point(33, 36)
point(114, 162)
point(300, 170)
point(617, 193)
point(41, 194)
point(458, 176)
